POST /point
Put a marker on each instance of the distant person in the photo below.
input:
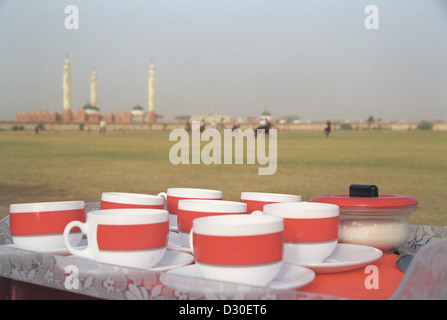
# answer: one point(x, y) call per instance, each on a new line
point(36, 129)
point(264, 124)
point(102, 127)
point(202, 125)
point(327, 130)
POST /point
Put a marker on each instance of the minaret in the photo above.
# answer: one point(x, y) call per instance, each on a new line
point(151, 95)
point(93, 89)
point(66, 87)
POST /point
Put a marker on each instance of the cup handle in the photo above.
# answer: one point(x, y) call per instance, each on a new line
point(257, 213)
point(86, 253)
point(190, 241)
point(163, 194)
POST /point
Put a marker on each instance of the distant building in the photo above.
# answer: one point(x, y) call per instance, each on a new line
point(152, 117)
point(138, 114)
point(265, 116)
point(91, 109)
point(211, 118)
point(182, 119)
point(91, 112)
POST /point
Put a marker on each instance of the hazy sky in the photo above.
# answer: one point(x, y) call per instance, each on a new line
point(313, 59)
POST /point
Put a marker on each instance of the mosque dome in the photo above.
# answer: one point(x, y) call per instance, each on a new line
point(137, 110)
point(266, 115)
point(89, 109)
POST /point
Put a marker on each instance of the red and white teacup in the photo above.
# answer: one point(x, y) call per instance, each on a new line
point(241, 248)
point(174, 195)
point(310, 230)
point(257, 200)
point(188, 210)
point(124, 200)
point(40, 226)
point(127, 237)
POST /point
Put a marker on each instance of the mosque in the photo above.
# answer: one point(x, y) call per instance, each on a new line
point(91, 113)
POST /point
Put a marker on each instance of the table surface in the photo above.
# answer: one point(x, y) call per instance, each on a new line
point(27, 275)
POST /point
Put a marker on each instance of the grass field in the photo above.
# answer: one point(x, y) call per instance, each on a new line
point(54, 166)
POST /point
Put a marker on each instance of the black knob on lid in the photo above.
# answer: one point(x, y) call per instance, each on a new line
point(363, 190)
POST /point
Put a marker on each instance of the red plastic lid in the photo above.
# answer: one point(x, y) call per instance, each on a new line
point(381, 202)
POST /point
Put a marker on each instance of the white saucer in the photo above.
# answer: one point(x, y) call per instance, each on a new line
point(170, 260)
point(58, 251)
point(175, 242)
point(290, 276)
point(173, 259)
point(346, 257)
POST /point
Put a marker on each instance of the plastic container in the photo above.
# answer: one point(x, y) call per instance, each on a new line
point(372, 219)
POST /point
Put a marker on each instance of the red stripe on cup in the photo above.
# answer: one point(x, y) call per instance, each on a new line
point(172, 202)
point(253, 205)
point(185, 218)
point(46, 222)
point(311, 230)
point(132, 237)
point(238, 250)
point(116, 205)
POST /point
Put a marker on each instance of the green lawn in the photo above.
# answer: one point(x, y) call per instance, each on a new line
point(54, 166)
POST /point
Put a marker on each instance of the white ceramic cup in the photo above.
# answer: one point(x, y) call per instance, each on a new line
point(257, 200)
point(124, 200)
point(310, 230)
point(40, 226)
point(127, 237)
point(174, 195)
point(188, 210)
point(240, 248)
